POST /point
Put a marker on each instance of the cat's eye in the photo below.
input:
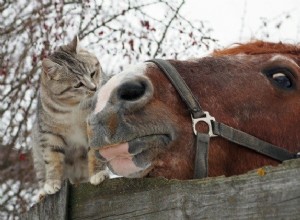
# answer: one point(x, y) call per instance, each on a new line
point(93, 74)
point(78, 85)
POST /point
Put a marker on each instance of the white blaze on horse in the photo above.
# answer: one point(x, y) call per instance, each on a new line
point(142, 119)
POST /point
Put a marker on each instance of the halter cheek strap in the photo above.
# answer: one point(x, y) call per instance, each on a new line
point(216, 128)
point(181, 87)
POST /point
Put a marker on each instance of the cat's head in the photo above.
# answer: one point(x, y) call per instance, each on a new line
point(71, 73)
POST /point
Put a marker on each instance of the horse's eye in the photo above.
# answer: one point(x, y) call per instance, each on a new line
point(78, 85)
point(282, 80)
point(280, 77)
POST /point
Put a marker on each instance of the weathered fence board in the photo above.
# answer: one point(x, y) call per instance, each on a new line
point(53, 207)
point(274, 195)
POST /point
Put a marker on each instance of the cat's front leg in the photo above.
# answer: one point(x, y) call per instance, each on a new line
point(54, 163)
point(97, 172)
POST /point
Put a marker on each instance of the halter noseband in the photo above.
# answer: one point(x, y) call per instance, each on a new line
point(216, 128)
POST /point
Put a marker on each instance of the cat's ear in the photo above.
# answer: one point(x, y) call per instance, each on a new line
point(51, 69)
point(74, 45)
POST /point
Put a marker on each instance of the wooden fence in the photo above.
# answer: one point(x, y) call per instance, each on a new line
point(267, 193)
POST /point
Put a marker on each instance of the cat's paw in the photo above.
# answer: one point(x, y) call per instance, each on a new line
point(99, 177)
point(52, 186)
point(41, 195)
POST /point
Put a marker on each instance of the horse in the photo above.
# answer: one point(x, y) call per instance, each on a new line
point(141, 126)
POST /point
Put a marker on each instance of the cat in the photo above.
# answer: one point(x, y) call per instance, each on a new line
point(70, 77)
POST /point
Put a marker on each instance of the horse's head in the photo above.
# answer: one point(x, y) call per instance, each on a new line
point(142, 126)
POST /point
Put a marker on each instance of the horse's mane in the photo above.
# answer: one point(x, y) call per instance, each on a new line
point(259, 47)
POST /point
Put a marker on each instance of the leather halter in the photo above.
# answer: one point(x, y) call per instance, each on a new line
point(216, 128)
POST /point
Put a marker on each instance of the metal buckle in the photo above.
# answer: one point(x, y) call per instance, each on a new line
point(207, 119)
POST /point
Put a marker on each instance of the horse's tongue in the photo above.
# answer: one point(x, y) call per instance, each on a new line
point(120, 160)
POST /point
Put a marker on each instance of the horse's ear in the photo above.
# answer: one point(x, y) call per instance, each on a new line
point(51, 69)
point(74, 45)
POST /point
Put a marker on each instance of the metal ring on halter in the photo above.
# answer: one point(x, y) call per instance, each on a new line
point(207, 119)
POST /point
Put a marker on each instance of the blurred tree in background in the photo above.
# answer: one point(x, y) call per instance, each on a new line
point(118, 32)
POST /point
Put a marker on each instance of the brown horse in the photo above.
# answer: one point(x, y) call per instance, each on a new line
point(142, 127)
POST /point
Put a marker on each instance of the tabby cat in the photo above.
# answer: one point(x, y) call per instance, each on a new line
point(70, 77)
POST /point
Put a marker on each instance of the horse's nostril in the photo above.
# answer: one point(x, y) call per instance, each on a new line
point(131, 91)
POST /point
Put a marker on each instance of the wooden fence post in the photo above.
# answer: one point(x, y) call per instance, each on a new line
point(54, 207)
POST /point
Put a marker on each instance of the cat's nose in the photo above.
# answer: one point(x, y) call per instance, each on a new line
point(93, 88)
point(89, 84)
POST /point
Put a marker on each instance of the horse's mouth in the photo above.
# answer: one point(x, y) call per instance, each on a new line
point(134, 158)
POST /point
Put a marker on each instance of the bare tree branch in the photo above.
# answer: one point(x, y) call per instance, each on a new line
point(166, 29)
point(31, 30)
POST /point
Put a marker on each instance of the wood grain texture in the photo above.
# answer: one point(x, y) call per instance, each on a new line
point(271, 193)
point(53, 207)
point(267, 193)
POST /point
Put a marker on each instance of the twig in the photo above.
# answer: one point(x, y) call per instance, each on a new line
point(166, 29)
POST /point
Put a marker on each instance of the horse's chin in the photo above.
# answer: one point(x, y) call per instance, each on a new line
point(133, 159)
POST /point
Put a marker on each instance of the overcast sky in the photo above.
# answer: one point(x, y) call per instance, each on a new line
point(240, 20)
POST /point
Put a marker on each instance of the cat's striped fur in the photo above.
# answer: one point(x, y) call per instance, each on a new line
point(60, 149)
